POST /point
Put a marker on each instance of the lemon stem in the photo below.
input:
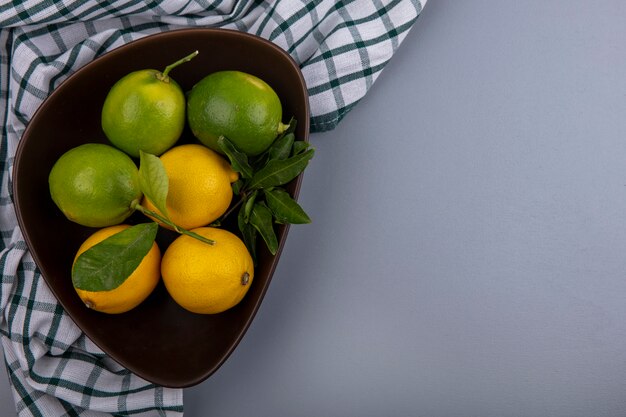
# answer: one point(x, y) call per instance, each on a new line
point(163, 76)
point(170, 223)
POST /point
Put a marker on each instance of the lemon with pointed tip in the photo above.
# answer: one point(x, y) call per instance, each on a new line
point(134, 290)
point(145, 110)
point(199, 189)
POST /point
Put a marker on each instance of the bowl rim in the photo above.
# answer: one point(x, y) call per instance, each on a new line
point(296, 188)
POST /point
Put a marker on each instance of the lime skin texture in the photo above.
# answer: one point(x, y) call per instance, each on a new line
point(144, 111)
point(95, 185)
point(237, 105)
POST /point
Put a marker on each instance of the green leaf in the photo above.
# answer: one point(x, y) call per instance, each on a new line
point(106, 265)
point(153, 180)
point(281, 148)
point(299, 146)
point(249, 204)
point(238, 159)
point(285, 208)
point(241, 220)
point(261, 219)
point(279, 172)
point(248, 233)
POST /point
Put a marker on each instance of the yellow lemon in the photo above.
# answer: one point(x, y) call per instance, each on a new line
point(199, 185)
point(134, 290)
point(205, 278)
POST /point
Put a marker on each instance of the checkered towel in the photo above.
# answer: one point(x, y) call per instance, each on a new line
point(341, 46)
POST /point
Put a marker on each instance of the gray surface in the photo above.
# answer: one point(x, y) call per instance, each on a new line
point(468, 251)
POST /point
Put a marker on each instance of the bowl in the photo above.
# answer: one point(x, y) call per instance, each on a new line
point(159, 341)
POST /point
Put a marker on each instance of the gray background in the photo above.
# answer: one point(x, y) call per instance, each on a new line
point(468, 251)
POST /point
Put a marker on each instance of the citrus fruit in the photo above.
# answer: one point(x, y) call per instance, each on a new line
point(145, 110)
point(135, 289)
point(237, 105)
point(204, 278)
point(95, 185)
point(199, 185)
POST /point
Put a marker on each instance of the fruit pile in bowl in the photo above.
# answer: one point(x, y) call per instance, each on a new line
point(163, 196)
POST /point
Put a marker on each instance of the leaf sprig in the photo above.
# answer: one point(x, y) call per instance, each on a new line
point(263, 202)
point(262, 199)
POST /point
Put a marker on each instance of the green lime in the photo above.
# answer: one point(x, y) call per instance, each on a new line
point(237, 105)
point(95, 185)
point(145, 110)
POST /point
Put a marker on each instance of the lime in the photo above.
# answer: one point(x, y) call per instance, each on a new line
point(95, 185)
point(237, 105)
point(145, 110)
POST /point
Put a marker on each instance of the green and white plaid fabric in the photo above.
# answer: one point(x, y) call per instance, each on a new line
point(341, 46)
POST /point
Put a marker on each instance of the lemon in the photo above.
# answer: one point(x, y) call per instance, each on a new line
point(145, 110)
point(134, 290)
point(204, 278)
point(199, 185)
point(237, 105)
point(95, 185)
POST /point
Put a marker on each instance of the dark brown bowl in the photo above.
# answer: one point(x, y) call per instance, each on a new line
point(158, 340)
